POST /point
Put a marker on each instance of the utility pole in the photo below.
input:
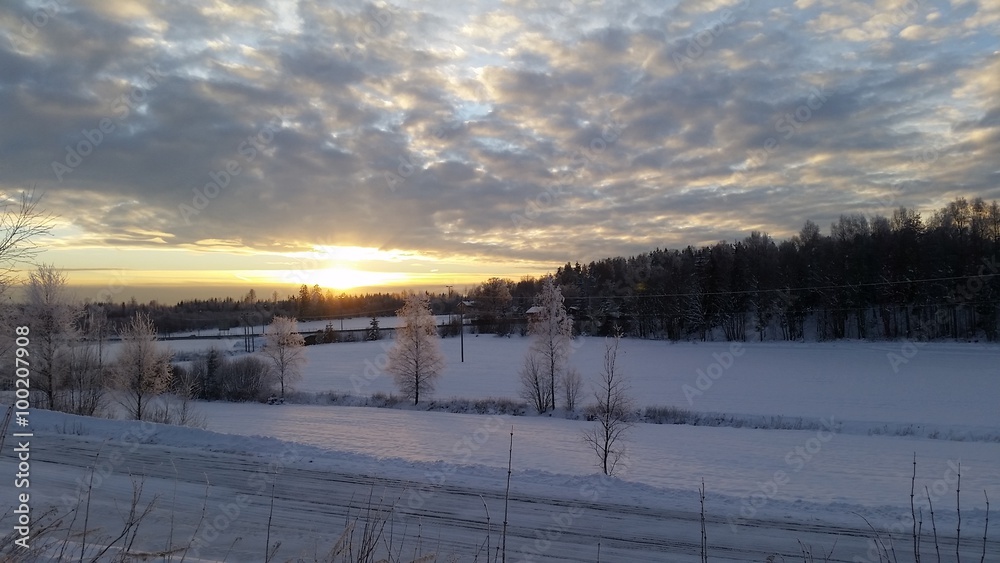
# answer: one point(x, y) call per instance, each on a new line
point(461, 323)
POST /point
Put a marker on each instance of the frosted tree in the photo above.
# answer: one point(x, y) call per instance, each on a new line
point(51, 313)
point(283, 346)
point(613, 411)
point(142, 371)
point(552, 330)
point(86, 376)
point(415, 359)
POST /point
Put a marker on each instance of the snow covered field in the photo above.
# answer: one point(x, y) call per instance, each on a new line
point(767, 489)
point(944, 384)
point(945, 390)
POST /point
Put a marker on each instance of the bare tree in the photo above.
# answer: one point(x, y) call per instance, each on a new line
point(613, 411)
point(21, 223)
point(552, 329)
point(85, 376)
point(142, 372)
point(83, 380)
point(51, 314)
point(185, 385)
point(534, 388)
point(571, 384)
point(415, 360)
point(283, 346)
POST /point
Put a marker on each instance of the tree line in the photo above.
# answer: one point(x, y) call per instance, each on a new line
point(896, 276)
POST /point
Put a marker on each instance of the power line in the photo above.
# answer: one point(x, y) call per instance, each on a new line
point(780, 290)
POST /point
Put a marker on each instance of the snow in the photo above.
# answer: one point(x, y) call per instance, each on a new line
point(853, 381)
point(858, 470)
point(779, 485)
point(468, 453)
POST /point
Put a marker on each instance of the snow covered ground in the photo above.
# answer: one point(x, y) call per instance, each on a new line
point(439, 468)
point(767, 489)
point(945, 390)
point(936, 385)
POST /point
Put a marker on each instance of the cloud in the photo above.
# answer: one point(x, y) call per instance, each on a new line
point(495, 131)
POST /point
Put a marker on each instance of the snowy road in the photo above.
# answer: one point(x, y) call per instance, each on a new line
point(311, 507)
point(312, 502)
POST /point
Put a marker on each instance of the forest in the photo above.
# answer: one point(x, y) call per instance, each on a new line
point(878, 277)
point(870, 277)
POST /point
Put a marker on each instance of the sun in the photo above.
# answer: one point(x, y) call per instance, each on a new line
point(343, 268)
point(343, 278)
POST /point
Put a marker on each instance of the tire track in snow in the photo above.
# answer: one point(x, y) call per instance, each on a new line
point(312, 506)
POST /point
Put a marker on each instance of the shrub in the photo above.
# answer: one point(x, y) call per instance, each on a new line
point(245, 379)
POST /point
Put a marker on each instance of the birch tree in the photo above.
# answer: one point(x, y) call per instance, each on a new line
point(415, 359)
point(284, 347)
point(143, 368)
point(552, 330)
point(534, 387)
point(613, 411)
point(51, 314)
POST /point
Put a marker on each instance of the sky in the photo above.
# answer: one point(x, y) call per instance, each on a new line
point(200, 148)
